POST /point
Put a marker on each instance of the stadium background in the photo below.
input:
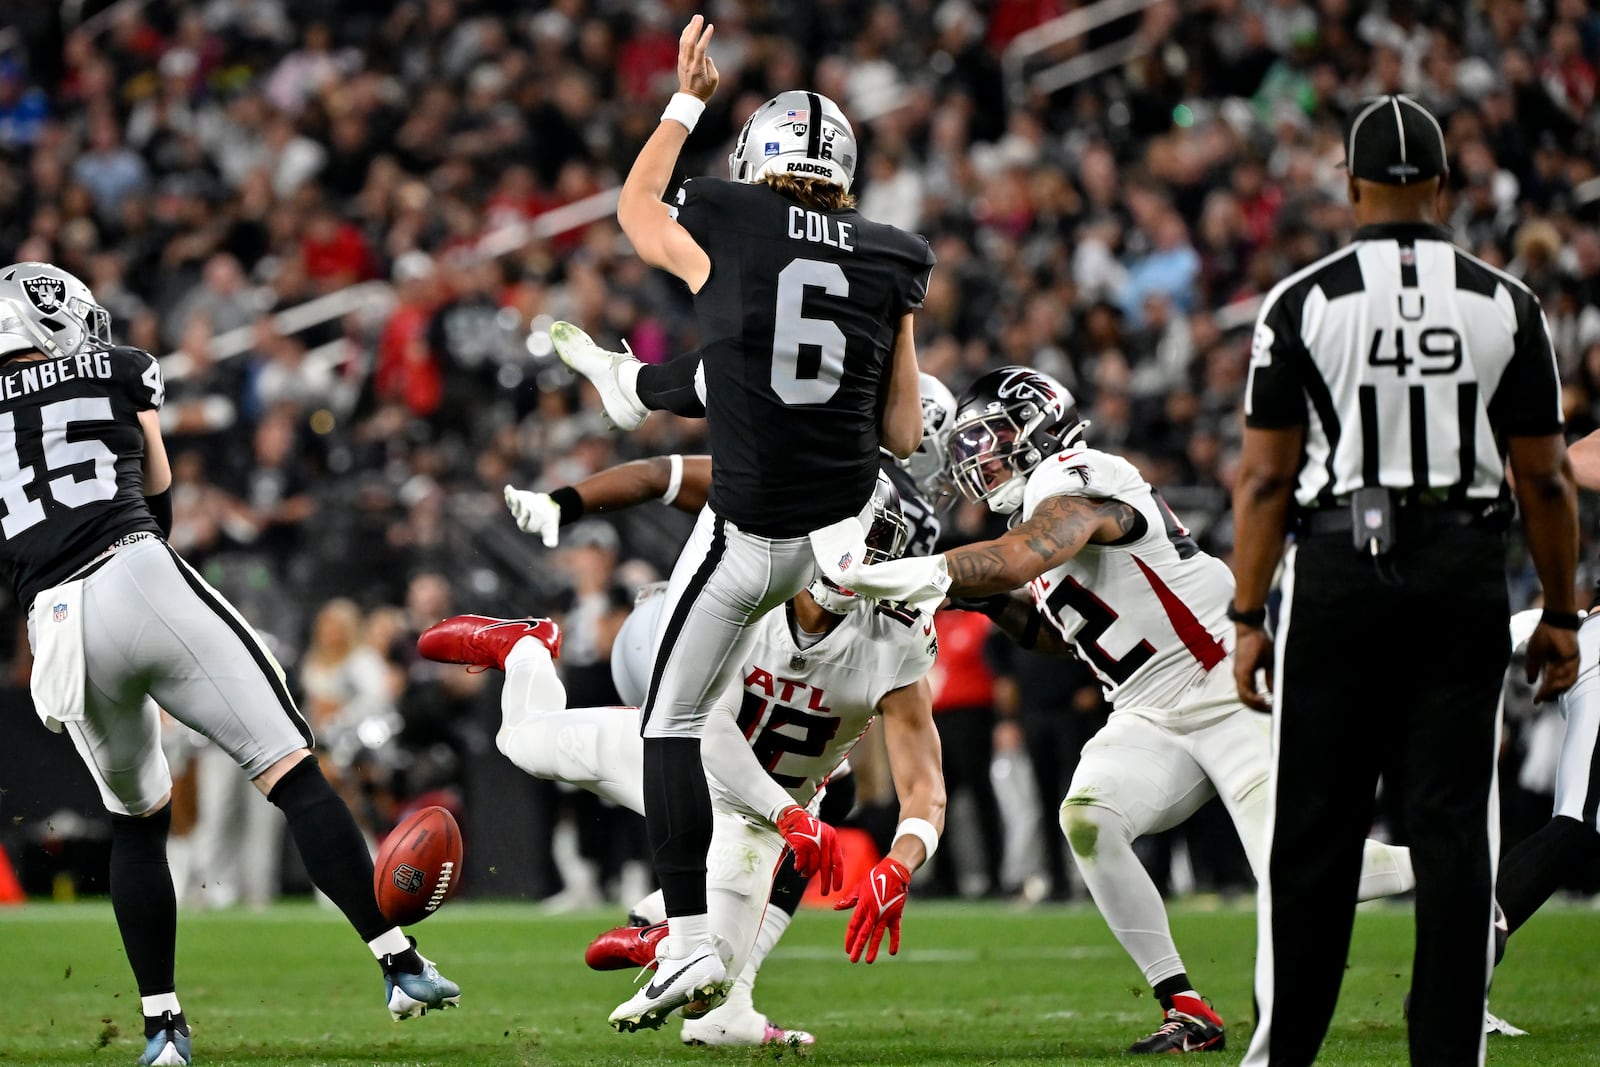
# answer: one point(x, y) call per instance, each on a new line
point(339, 221)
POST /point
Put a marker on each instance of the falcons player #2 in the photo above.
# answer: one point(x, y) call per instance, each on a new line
point(116, 618)
point(818, 671)
point(1114, 579)
point(804, 308)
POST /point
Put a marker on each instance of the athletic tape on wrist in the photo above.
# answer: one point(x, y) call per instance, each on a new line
point(923, 831)
point(684, 108)
point(674, 480)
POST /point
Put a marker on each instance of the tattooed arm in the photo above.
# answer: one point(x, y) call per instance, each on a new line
point(1059, 529)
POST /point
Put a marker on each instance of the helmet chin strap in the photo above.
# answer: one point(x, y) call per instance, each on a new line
point(1008, 498)
point(833, 601)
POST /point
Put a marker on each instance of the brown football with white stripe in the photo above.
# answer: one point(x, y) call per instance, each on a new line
point(418, 866)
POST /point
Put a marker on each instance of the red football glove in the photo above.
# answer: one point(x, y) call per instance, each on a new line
point(815, 845)
point(879, 901)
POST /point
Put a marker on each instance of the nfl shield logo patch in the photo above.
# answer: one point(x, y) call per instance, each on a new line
point(46, 294)
point(770, 148)
point(407, 878)
point(844, 561)
point(59, 613)
point(1373, 518)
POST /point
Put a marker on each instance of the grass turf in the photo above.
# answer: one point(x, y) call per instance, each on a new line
point(973, 984)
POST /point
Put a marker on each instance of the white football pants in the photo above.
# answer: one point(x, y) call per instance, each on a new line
point(1139, 776)
point(600, 750)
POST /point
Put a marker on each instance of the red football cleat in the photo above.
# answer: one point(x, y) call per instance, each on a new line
point(483, 642)
point(626, 946)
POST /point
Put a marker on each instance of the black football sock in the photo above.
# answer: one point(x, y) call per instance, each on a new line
point(331, 846)
point(154, 1024)
point(677, 808)
point(1540, 864)
point(670, 386)
point(788, 887)
point(143, 899)
point(1168, 988)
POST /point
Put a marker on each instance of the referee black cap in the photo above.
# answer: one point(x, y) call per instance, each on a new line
point(1396, 141)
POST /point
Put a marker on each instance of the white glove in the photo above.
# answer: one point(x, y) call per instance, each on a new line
point(916, 580)
point(535, 513)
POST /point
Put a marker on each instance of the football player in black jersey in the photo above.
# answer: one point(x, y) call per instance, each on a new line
point(804, 311)
point(921, 478)
point(117, 620)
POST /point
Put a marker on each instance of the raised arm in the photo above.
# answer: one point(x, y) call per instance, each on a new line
point(900, 428)
point(646, 220)
point(682, 481)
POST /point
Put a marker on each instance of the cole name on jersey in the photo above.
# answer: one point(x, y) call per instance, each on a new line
point(1149, 614)
point(803, 709)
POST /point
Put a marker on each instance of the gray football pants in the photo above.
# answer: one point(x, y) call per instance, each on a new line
point(152, 626)
point(724, 582)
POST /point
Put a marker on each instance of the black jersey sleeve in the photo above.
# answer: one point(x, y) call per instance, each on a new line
point(139, 375)
point(916, 289)
point(1528, 400)
point(698, 205)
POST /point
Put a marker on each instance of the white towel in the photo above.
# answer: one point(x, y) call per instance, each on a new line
point(59, 669)
point(838, 548)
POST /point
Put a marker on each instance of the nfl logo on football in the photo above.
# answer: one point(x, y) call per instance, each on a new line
point(408, 879)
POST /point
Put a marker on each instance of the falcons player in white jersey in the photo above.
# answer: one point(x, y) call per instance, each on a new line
point(1113, 578)
point(820, 671)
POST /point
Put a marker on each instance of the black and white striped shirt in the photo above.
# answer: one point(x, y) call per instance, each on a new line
point(1408, 362)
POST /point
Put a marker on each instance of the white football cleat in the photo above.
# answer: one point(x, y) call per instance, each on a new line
point(1493, 1024)
point(609, 371)
point(696, 981)
point(730, 1026)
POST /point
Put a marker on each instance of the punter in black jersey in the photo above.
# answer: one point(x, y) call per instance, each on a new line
point(117, 620)
point(920, 478)
point(804, 313)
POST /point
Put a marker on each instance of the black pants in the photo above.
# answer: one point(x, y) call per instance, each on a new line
point(1399, 679)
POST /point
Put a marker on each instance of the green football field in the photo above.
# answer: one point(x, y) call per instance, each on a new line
point(974, 984)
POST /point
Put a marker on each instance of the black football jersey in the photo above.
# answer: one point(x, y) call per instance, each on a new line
point(797, 326)
point(71, 461)
point(920, 515)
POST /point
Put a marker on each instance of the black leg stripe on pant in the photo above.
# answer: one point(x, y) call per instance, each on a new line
point(251, 643)
point(680, 612)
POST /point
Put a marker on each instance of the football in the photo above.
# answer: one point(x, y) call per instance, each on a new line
point(418, 866)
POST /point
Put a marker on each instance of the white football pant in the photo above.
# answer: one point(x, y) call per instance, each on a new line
point(600, 750)
point(1142, 774)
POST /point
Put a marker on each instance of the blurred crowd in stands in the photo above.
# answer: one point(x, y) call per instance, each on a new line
point(209, 166)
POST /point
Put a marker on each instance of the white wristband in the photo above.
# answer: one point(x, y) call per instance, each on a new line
point(923, 831)
point(685, 108)
point(675, 480)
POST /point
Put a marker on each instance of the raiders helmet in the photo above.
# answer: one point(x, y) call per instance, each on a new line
point(927, 465)
point(799, 133)
point(44, 308)
point(1008, 422)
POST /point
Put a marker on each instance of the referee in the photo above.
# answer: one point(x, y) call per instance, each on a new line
point(1389, 384)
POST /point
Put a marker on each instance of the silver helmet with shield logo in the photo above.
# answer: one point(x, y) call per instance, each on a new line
point(44, 308)
point(799, 133)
